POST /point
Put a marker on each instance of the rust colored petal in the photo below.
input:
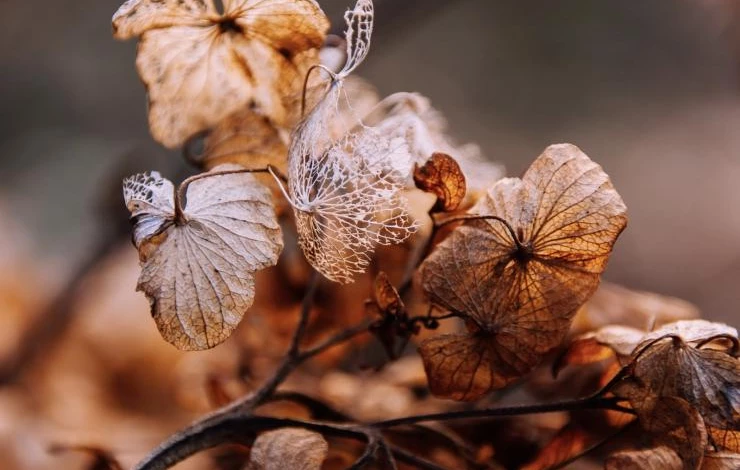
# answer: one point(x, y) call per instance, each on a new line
point(522, 273)
point(466, 367)
point(442, 176)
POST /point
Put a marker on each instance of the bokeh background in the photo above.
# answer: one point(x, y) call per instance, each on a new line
point(648, 89)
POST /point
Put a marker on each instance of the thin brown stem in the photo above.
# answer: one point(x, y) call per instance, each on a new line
point(462, 218)
point(409, 458)
point(305, 83)
point(292, 358)
point(215, 429)
point(335, 340)
point(589, 403)
point(237, 429)
point(319, 410)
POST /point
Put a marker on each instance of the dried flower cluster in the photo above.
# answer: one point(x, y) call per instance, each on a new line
point(328, 226)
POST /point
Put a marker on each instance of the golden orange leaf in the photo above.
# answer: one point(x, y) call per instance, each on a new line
point(521, 278)
point(724, 439)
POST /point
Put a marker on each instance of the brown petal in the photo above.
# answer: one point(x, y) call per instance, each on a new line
point(441, 175)
point(200, 66)
point(662, 458)
point(292, 448)
point(246, 139)
point(721, 461)
point(466, 367)
point(522, 278)
point(199, 277)
point(582, 351)
point(386, 296)
point(669, 367)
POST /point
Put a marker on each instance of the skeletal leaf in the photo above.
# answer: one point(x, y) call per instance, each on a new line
point(441, 175)
point(663, 458)
point(346, 192)
point(198, 264)
point(411, 116)
point(201, 65)
point(520, 278)
point(288, 448)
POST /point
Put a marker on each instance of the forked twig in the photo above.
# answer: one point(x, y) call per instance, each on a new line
point(220, 426)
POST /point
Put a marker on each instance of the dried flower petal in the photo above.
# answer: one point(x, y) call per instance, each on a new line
point(198, 267)
point(441, 175)
point(346, 192)
point(200, 66)
point(292, 448)
point(669, 367)
point(663, 458)
point(521, 278)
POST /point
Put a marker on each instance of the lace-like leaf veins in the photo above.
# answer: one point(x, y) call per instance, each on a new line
point(198, 261)
point(346, 191)
point(519, 279)
point(200, 65)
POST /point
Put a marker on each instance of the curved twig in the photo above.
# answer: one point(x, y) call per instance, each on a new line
point(236, 429)
point(592, 402)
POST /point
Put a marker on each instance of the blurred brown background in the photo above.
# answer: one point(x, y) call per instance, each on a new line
point(648, 89)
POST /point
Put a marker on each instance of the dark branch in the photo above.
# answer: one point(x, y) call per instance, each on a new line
point(590, 403)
